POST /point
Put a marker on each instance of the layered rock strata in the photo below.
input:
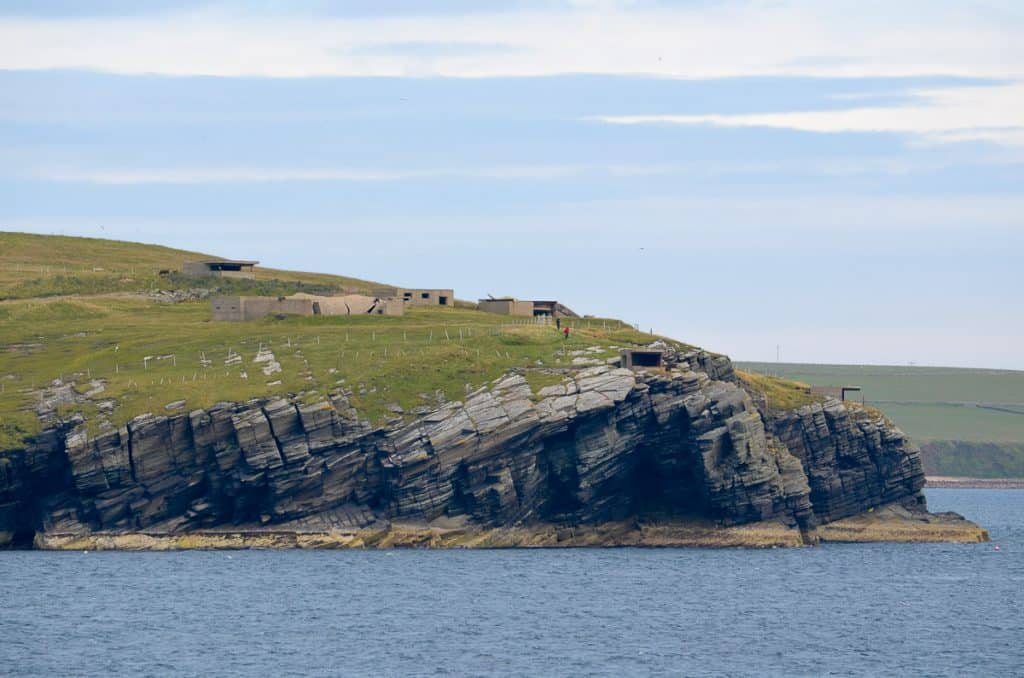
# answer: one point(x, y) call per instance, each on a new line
point(606, 445)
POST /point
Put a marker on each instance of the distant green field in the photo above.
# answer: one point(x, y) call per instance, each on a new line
point(929, 403)
point(949, 411)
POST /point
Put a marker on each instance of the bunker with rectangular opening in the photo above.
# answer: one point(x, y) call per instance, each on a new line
point(220, 268)
point(634, 358)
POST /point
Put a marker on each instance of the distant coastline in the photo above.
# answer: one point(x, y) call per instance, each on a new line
point(975, 483)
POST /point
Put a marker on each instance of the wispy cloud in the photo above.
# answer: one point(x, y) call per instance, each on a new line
point(694, 40)
point(421, 49)
point(214, 175)
point(964, 114)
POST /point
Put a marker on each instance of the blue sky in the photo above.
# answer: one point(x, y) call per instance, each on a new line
point(843, 180)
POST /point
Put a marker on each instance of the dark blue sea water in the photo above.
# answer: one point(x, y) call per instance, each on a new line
point(939, 610)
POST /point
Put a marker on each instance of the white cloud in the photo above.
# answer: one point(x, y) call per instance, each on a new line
point(699, 40)
point(964, 114)
point(844, 38)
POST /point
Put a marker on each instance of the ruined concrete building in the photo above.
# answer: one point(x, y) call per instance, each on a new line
point(417, 297)
point(231, 308)
point(384, 301)
point(220, 268)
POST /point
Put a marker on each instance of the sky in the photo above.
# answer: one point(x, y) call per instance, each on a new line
point(823, 182)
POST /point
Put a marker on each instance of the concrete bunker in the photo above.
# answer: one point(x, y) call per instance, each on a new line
point(220, 268)
point(536, 308)
point(637, 358)
point(506, 306)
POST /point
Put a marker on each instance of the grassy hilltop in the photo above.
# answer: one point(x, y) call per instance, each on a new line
point(39, 266)
point(96, 313)
point(969, 422)
point(89, 311)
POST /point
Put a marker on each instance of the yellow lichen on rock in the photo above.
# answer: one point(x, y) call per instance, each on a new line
point(894, 523)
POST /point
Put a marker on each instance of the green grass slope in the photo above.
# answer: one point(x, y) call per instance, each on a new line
point(149, 354)
point(34, 266)
point(968, 421)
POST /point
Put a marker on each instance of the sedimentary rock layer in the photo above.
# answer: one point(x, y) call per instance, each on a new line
point(604, 446)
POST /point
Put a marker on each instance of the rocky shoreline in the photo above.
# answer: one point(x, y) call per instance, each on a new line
point(888, 524)
point(610, 456)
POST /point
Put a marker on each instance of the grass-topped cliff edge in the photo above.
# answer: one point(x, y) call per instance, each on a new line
point(602, 446)
point(89, 311)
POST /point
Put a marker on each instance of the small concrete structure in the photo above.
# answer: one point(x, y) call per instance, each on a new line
point(417, 297)
point(537, 308)
point(506, 306)
point(220, 268)
point(235, 309)
point(638, 358)
point(837, 392)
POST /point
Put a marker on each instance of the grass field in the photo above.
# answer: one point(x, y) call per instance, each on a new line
point(929, 403)
point(968, 421)
point(34, 266)
point(149, 354)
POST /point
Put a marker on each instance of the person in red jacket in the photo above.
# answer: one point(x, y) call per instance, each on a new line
point(565, 331)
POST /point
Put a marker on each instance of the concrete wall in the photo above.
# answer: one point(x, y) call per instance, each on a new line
point(390, 307)
point(418, 297)
point(245, 274)
point(253, 308)
point(506, 306)
point(226, 308)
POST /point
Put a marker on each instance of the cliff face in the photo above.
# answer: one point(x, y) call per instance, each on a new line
point(853, 460)
point(605, 445)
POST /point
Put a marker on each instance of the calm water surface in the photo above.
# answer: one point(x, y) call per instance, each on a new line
point(841, 610)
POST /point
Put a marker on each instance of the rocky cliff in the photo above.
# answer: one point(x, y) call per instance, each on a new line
point(605, 445)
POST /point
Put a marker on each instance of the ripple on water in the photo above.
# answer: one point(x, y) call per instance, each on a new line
point(874, 609)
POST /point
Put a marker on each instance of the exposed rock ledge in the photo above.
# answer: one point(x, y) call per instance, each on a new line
point(609, 457)
point(889, 524)
point(896, 524)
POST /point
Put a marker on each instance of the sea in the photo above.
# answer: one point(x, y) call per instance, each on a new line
point(842, 610)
